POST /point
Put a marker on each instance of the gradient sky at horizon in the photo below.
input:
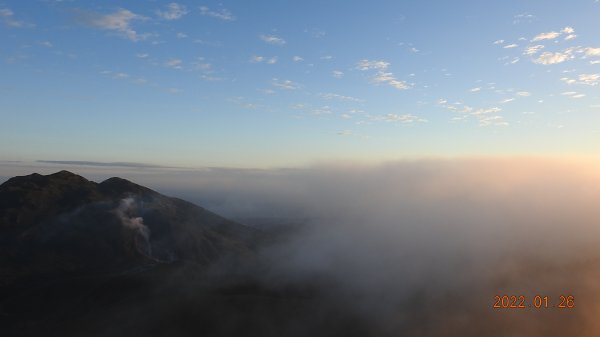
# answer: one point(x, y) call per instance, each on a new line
point(282, 83)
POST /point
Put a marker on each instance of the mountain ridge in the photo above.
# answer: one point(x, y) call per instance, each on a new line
point(64, 223)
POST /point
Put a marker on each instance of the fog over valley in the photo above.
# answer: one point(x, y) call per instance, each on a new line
point(417, 247)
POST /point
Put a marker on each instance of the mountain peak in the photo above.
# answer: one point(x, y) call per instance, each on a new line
point(116, 186)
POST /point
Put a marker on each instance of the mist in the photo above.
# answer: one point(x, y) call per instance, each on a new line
point(423, 247)
point(405, 248)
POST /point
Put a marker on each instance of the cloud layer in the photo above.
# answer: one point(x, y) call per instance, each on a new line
point(422, 247)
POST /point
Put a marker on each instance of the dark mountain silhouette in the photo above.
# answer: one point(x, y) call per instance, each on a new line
point(79, 258)
point(63, 223)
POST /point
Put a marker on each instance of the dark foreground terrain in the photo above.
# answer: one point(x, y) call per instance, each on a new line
point(79, 258)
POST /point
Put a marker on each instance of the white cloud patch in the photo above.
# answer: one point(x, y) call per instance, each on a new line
point(499, 42)
point(570, 37)
point(523, 93)
point(532, 50)
point(484, 116)
point(174, 11)
point(285, 84)
point(591, 51)
point(7, 18)
point(569, 31)
point(587, 79)
point(120, 76)
point(395, 118)
point(388, 78)
point(509, 46)
point(381, 77)
point(337, 74)
point(272, 39)
point(493, 121)
point(548, 58)
point(573, 94)
point(297, 59)
point(221, 14)
point(524, 17)
point(119, 22)
point(142, 55)
point(340, 97)
point(261, 59)
point(369, 65)
point(475, 90)
point(569, 93)
point(174, 63)
point(546, 36)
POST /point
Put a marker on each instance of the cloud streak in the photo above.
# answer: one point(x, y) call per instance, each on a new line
point(222, 14)
point(174, 11)
point(119, 22)
point(272, 39)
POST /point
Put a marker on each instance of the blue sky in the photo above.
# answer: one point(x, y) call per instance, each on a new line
point(281, 83)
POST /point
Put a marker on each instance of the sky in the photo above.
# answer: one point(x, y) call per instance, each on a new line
point(287, 83)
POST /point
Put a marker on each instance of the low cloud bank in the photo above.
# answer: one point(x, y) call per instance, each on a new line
point(423, 247)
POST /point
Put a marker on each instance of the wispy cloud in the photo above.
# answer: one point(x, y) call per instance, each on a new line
point(101, 164)
point(591, 51)
point(569, 31)
point(493, 121)
point(546, 36)
point(381, 76)
point(120, 76)
point(587, 79)
point(174, 11)
point(174, 63)
point(523, 17)
point(388, 78)
point(119, 22)
point(272, 39)
point(509, 46)
point(285, 84)
point(532, 50)
point(337, 73)
point(340, 97)
point(7, 17)
point(221, 14)
point(297, 59)
point(395, 118)
point(369, 65)
point(548, 58)
point(573, 94)
point(261, 59)
point(484, 116)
